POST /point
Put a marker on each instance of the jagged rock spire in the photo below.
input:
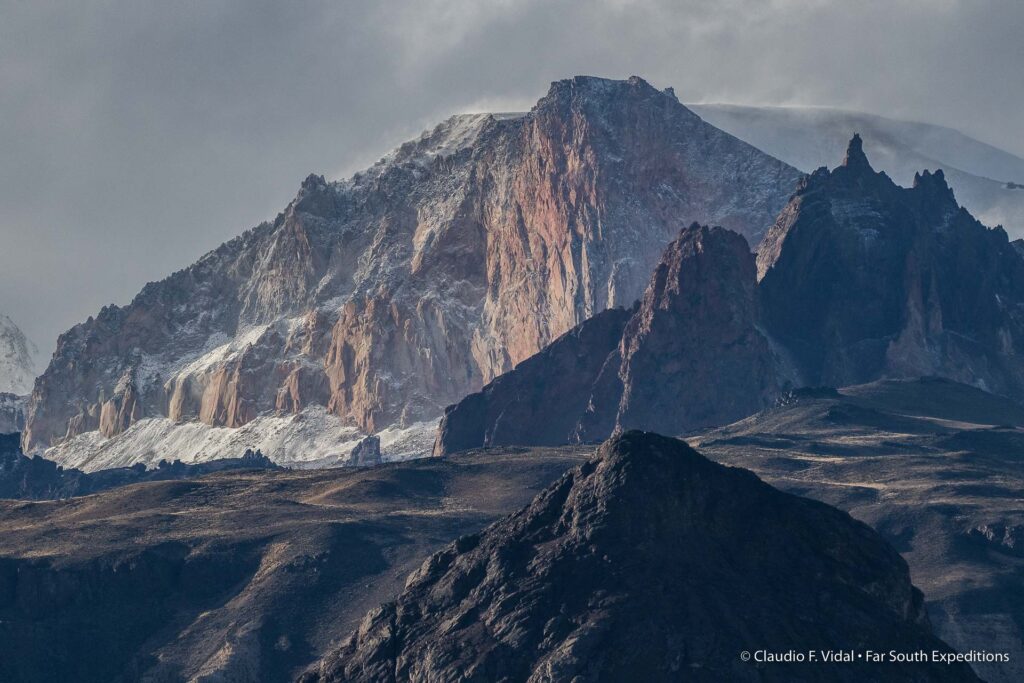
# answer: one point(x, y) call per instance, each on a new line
point(855, 157)
point(932, 182)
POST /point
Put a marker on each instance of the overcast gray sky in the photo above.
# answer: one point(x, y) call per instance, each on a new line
point(135, 136)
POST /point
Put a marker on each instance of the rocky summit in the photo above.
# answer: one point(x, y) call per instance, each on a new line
point(385, 297)
point(862, 279)
point(688, 355)
point(692, 355)
point(649, 563)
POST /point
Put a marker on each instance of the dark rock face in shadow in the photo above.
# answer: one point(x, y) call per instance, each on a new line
point(541, 401)
point(688, 356)
point(862, 279)
point(692, 356)
point(649, 563)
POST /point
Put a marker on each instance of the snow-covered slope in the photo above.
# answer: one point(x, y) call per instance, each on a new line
point(988, 181)
point(310, 439)
point(18, 359)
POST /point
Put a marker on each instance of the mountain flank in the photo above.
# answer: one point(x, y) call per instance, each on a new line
point(934, 467)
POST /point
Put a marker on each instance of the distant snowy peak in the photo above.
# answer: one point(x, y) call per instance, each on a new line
point(987, 180)
point(18, 359)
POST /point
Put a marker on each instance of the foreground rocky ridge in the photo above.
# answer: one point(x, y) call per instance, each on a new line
point(392, 294)
point(687, 356)
point(255, 575)
point(649, 563)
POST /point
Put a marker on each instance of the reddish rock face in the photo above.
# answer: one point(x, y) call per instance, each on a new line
point(393, 294)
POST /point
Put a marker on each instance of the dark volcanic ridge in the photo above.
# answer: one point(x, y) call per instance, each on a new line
point(649, 563)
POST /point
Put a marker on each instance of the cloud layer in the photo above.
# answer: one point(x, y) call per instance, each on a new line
point(138, 135)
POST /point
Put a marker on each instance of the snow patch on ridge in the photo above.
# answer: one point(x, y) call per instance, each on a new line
point(312, 439)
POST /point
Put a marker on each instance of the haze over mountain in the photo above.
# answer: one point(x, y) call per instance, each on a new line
point(192, 130)
point(987, 181)
point(374, 302)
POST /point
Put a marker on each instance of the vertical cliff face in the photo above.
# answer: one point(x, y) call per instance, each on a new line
point(687, 356)
point(862, 279)
point(649, 563)
point(692, 356)
point(387, 296)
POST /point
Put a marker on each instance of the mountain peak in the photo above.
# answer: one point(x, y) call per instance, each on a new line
point(595, 86)
point(427, 241)
point(855, 157)
point(688, 355)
